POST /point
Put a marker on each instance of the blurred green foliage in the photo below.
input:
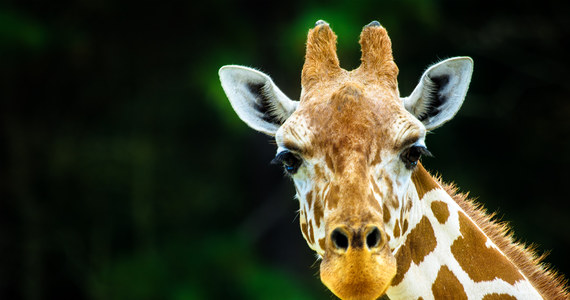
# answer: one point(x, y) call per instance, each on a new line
point(125, 173)
point(223, 267)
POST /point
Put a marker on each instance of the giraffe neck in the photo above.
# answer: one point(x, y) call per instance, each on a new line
point(442, 253)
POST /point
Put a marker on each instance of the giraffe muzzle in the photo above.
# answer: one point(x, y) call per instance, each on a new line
point(357, 263)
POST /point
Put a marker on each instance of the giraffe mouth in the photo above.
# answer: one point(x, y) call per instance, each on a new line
point(358, 273)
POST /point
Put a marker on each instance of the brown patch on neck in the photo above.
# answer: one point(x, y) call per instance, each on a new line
point(495, 296)
point(397, 229)
point(404, 261)
point(447, 286)
point(419, 243)
point(440, 211)
point(481, 263)
point(421, 240)
point(385, 214)
point(423, 181)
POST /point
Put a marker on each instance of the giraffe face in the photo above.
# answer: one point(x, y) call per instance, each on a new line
point(350, 145)
point(349, 149)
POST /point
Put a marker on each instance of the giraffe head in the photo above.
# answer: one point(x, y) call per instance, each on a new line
point(350, 145)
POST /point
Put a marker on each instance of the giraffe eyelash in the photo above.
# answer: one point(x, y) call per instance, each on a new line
point(290, 161)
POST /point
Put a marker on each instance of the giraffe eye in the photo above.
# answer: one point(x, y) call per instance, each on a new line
point(290, 161)
point(412, 155)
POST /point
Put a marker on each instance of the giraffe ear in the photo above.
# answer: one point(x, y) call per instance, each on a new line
point(440, 92)
point(256, 99)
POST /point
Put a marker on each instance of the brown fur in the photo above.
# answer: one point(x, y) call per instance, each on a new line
point(404, 260)
point(397, 229)
point(480, 262)
point(440, 211)
point(421, 175)
point(496, 296)
point(447, 286)
point(386, 213)
point(548, 282)
point(420, 242)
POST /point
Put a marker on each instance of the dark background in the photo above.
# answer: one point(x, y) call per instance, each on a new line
point(125, 174)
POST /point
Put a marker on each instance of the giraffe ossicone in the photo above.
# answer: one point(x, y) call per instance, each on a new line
point(378, 220)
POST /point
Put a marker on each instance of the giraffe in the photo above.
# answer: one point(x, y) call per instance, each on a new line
point(378, 221)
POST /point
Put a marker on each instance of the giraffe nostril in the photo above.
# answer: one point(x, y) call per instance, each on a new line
point(339, 239)
point(373, 238)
